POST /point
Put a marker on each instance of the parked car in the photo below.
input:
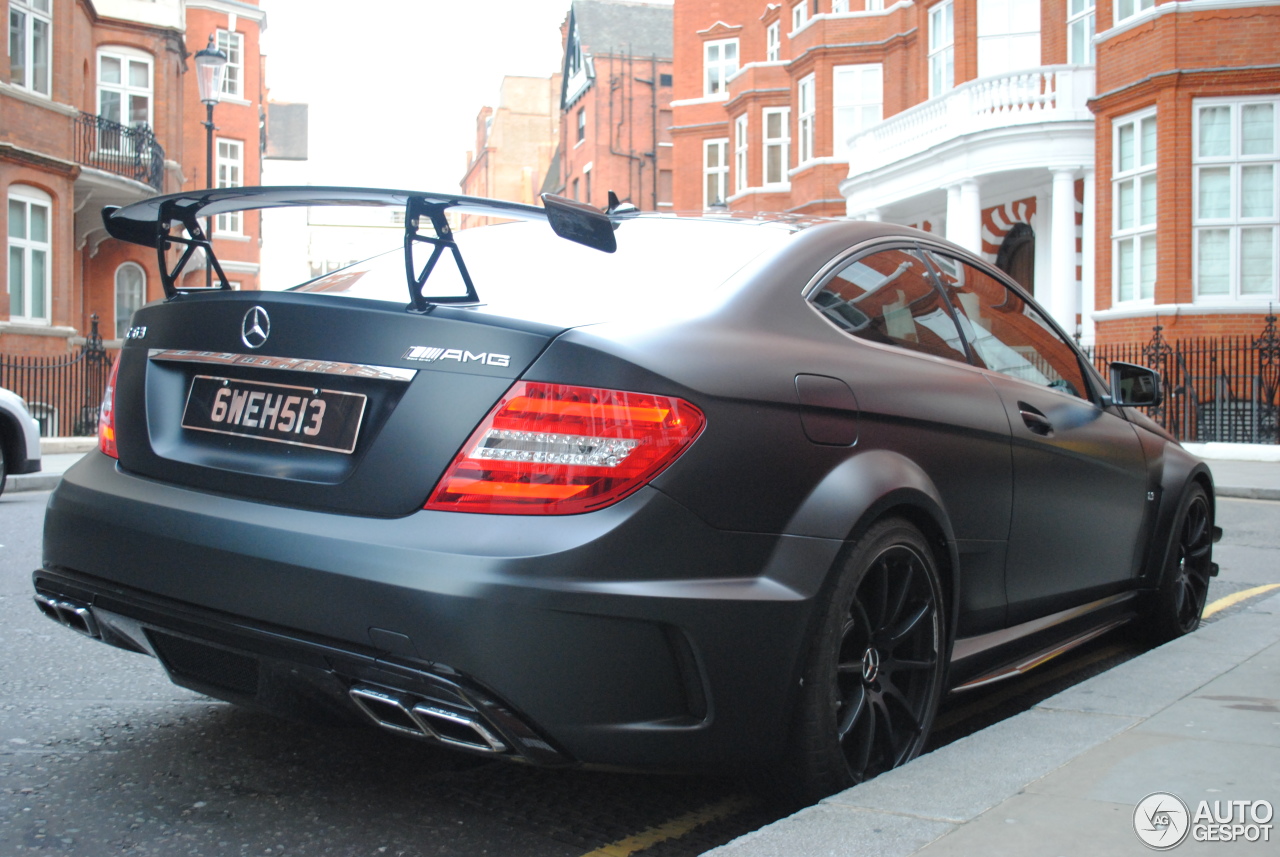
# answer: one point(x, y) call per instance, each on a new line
point(19, 437)
point(675, 493)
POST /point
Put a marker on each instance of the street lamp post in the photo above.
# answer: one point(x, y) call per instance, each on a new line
point(211, 63)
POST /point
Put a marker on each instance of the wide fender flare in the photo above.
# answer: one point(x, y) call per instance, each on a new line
point(1178, 472)
point(866, 487)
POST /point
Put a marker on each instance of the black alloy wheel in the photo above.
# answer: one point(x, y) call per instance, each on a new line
point(874, 676)
point(1180, 600)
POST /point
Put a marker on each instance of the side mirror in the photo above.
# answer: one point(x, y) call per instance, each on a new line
point(1134, 386)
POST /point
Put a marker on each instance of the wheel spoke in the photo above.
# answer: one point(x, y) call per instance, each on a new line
point(850, 710)
point(861, 744)
point(904, 591)
point(882, 572)
point(915, 664)
point(910, 623)
point(891, 692)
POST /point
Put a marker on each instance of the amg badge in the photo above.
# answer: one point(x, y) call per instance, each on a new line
point(428, 354)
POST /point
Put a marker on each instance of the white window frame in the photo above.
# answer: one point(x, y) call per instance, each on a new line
point(781, 144)
point(874, 6)
point(942, 37)
point(1140, 235)
point(717, 70)
point(126, 91)
point(741, 147)
point(850, 113)
point(805, 98)
point(773, 42)
point(1237, 222)
point(1081, 21)
point(1008, 36)
point(231, 43)
point(718, 173)
point(799, 15)
point(21, 293)
point(31, 12)
point(582, 125)
point(229, 166)
point(839, 7)
point(122, 319)
point(1126, 9)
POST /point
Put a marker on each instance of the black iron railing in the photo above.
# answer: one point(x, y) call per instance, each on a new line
point(1224, 388)
point(129, 151)
point(64, 391)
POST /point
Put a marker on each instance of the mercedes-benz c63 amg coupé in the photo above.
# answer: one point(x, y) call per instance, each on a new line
point(617, 489)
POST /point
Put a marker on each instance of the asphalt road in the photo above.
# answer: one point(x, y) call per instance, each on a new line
point(101, 755)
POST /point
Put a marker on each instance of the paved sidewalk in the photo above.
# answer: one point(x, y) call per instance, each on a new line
point(1198, 718)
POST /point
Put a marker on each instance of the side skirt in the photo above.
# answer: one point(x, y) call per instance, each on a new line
point(987, 658)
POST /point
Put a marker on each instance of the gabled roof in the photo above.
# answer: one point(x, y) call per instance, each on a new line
point(627, 28)
point(617, 27)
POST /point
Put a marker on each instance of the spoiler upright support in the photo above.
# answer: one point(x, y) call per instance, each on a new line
point(416, 208)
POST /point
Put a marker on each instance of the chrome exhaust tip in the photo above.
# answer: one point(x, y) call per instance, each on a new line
point(77, 617)
point(449, 727)
point(388, 710)
point(405, 715)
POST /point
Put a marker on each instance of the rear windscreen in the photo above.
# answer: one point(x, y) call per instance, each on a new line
point(524, 269)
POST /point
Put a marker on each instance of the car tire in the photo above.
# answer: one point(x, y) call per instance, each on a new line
point(4, 467)
point(874, 674)
point(1179, 600)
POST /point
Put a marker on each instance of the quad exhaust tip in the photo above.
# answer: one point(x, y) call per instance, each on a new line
point(407, 715)
point(77, 617)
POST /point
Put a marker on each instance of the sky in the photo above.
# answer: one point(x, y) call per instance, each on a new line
point(394, 86)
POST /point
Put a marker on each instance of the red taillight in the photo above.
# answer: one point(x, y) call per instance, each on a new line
point(553, 449)
point(107, 415)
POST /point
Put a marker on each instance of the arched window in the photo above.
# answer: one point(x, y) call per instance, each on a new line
point(131, 290)
point(1017, 256)
point(30, 253)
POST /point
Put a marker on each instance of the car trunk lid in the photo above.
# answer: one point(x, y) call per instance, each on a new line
point(334, 403)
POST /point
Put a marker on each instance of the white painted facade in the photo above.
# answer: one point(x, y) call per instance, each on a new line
point(990, 142)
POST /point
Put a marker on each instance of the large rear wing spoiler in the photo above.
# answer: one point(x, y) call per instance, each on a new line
point(161, 222)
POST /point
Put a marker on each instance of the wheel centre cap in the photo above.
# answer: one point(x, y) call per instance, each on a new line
point(871, 664)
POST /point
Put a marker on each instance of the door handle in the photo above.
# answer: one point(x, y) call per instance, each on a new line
point(1036, 421)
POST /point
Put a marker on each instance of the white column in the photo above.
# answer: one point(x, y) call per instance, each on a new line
point(964, 215)
point(1062, 300)
point(1088, 262)
point(873, 215)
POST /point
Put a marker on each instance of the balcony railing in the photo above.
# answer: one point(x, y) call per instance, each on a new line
point(1045, 94)
point(127, 151)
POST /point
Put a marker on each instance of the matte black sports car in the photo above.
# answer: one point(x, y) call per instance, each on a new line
point(661, 492)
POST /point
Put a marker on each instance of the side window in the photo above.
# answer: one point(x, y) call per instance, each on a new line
point(1007, 334)
point(888, 296)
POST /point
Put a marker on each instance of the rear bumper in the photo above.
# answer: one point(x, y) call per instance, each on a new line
point(635, 636)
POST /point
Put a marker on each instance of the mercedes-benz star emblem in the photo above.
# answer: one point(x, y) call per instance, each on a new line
point(255, 328)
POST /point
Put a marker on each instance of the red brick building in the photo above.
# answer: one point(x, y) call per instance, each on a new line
point(616, 84)
point(515, 143)
point(1022, 129)
point(100, 107)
